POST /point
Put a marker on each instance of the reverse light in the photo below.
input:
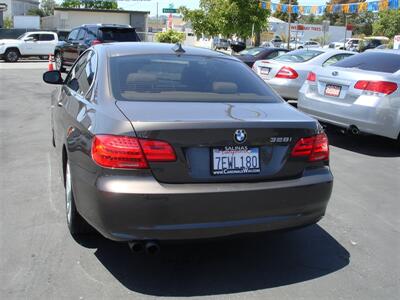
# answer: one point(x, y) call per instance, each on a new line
point(124, 152)
point(311, 77)
point(287, 73)
point(96, 42)
point(383, 87)
point(316, 148)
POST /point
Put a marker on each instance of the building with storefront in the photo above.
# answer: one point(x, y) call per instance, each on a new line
point(16, 8)
point(64, 19)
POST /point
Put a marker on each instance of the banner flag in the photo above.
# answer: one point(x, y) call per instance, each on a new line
point(319, 10)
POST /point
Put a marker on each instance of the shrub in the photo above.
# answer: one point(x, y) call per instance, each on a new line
point(170, 36)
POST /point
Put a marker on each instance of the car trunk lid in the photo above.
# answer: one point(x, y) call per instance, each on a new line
point(198, 132)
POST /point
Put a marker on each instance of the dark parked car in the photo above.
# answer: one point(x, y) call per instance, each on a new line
point(81, 38)
point(237, 46)
point(250, 56)
point(370, 44)
point(159, 142)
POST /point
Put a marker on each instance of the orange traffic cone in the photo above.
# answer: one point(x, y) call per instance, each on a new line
point(50, 66)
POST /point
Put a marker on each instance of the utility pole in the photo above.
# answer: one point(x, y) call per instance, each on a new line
point(290, 19)
point(345, 32)
point(158, 24)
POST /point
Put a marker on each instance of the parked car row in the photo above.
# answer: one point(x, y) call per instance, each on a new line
point(359, 92)
point(359, 45)
point(44, 43)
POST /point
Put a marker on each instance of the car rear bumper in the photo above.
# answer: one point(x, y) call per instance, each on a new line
point(125, 208)
point(286, 88)
point(380, 120)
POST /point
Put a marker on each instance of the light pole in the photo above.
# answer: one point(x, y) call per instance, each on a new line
point(345, 32)
point(290, 19)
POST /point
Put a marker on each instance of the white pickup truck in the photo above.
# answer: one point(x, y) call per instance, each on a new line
point(37, 43)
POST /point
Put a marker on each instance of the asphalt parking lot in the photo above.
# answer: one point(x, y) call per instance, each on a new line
point(353, 253)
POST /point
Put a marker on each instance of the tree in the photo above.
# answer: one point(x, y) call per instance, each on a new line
point(387, 24)
point(284, 15)
point(227, 17)
point(8, 23)
point(170, 36)
point(35, 12)
point(47, 7)
point(94, 4)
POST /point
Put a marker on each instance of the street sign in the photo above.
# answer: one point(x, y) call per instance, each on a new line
point(325, 26)
point(396, 42)
point(170, 10)
point(3, 7)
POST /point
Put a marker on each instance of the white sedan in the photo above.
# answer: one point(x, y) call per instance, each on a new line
point(287, 73)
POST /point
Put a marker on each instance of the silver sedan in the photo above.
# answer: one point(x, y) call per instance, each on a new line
point(287, 73)
point(361, 93)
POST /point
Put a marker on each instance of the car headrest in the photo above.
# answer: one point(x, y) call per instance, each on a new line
point(133, 78)
point(222, 87)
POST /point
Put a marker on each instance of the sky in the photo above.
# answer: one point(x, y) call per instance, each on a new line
point(151, 5)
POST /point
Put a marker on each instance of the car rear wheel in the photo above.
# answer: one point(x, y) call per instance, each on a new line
point(76, 224)
point(59, 62)
point(11, 55)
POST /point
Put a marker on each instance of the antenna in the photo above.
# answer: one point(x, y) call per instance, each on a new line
point(177, 48)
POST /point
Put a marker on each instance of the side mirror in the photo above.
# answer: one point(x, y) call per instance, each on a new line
point(29, 39)
point(53, 77)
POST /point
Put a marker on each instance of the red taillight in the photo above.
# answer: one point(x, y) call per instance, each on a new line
point(383, 87)
point(157, 150)
point(315, 148)
point(96, 42)
point(126, 152)
point(287, 73)
point(311, 77)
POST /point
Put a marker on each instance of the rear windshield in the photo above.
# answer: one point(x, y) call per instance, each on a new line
point(118, 35)
point(299, 55)
point(186, 78)
point(372, 61)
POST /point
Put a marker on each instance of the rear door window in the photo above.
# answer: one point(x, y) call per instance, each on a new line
point(372, 61)
point(46, 37)
point(81, 34)
point(186, 78)
point(91, 33)
point(113, 34)
point(335, 59)
point(73, 35)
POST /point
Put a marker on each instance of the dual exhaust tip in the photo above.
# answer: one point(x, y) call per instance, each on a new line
point(151, 248)
point(353, 130)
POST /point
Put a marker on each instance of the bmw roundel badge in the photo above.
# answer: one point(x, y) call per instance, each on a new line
point(240, 136)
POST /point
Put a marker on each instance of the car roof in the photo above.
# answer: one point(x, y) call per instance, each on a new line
point(103, 25)
point(40, 32)
point(140, 48)
point(393, 51)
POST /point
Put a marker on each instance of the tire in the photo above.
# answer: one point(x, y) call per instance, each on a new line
point(300, 47)
point(11, 55)
point(59, 62)
point(76, 224)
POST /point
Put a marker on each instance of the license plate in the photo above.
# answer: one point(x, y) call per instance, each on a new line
point(332, 90)
point(264, 71)
point(235, 160)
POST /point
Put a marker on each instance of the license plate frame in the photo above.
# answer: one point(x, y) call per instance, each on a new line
point(333, 90)
point(232, 160)
point(265, 71)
